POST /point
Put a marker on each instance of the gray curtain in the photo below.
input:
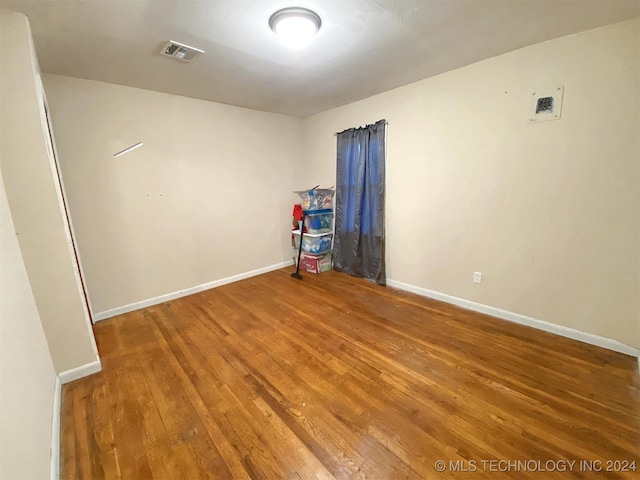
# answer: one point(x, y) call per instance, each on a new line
point(359, 239)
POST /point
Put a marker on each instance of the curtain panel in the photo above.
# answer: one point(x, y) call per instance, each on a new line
point(360, 191)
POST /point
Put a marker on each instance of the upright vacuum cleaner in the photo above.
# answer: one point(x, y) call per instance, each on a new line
point(296, 274)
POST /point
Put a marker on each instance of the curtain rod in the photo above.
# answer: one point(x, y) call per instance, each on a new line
point(335, 134)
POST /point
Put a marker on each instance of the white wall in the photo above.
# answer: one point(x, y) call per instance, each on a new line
point(208, 195)
point(27, 376)
point(549, 212)
point(34, 197)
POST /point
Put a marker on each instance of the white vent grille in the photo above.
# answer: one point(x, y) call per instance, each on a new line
point(181, 51)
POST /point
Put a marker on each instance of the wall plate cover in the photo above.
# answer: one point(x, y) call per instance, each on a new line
point(546, 104)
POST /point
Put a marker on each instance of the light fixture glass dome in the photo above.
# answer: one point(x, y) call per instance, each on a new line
point(295, 26)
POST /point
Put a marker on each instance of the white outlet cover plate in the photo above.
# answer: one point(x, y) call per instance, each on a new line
point(477, 277)
point(556, 93)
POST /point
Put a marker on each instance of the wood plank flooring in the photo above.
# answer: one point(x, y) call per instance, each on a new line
point(335, 377)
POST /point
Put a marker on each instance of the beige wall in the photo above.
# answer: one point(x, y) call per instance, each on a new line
point(208, 195)
point(27, 376)
point(34, 198)
point(548, 212)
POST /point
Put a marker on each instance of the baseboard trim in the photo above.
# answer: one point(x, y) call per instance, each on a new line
point(188, 291)
point(54, 469)
point(581, 336)
point(80, 372)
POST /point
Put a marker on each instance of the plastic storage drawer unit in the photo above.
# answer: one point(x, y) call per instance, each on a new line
point(319, 221)
point(317, 199)
point(315, 243)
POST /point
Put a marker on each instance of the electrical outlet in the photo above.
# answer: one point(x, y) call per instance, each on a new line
point(477, 277)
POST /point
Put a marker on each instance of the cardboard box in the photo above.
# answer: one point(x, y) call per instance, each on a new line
point(316, 263)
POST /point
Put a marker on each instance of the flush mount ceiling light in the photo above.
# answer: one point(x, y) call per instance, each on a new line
point(295, 26)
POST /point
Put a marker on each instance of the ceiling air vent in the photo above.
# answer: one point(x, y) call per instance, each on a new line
point(181, 51)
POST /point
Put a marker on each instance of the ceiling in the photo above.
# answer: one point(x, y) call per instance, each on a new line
point(364, 47)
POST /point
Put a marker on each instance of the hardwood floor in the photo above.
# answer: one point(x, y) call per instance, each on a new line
point(333, 376)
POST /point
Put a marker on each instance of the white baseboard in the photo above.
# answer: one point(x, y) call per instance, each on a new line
point(80, 372)
point(188, 291)
point(585, 337)
point(54, 471)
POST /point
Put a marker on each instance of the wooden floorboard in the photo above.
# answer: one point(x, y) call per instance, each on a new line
point(336, 377)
